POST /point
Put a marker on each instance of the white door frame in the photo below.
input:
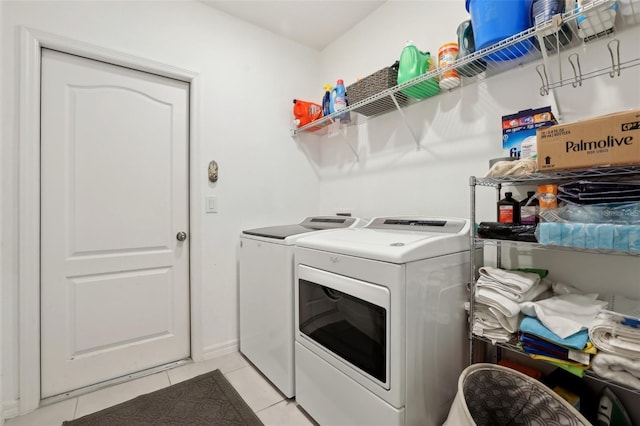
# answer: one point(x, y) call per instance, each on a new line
point(31, 42)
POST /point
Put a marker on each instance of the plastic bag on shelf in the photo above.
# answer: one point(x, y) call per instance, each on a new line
point(517, 167)
point(586, 192)
point(613, 213)
point(598, 236)
point(507, 231)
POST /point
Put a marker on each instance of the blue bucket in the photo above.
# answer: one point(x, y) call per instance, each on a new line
point(495, 20)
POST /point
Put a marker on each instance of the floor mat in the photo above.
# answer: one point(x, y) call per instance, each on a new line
point(208, 399)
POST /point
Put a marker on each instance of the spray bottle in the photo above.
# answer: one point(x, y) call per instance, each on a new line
point(326, 100)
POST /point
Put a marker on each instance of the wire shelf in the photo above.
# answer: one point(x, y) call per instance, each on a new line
point(563, 34)
point(478, 242)
point(540, 178)
point(511, 346)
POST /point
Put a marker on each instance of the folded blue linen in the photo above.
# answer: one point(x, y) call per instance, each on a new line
point(533, 326)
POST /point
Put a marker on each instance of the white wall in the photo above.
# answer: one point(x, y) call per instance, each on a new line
point(2, 379)
point(248, 78)
point(459, 131)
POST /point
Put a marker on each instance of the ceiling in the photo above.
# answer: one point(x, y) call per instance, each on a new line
point(313, 23)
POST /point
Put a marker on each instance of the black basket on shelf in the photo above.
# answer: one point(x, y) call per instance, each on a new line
point(372, 85)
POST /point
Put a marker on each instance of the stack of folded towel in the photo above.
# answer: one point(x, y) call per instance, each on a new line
point(572, 353)
point(556, 329)
point(565, 314)
point(567, 330)
point(616, 334)
point(498, 294)
point(618, 337)
point(617, 368)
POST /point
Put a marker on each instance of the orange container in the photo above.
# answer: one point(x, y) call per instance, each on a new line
point(306, 112)
point(447, 55)
point(547, 196)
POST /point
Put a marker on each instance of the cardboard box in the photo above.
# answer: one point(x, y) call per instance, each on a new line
point(603, 141)
point(521, 126)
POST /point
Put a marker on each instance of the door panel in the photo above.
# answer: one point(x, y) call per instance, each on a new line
point(114, 171)
point(96, 298)
point(122, 172)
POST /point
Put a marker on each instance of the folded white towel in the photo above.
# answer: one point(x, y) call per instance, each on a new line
point(609, 335)
point(517, 281)
point(496, 335)
point(492, 317)
point(536, 291)
point(565, 314)
point(496, 312)
point(486, 323)
point(508, 292)
point(495, 300)
point(617, 368)
point(508, 323)
point(625, 343)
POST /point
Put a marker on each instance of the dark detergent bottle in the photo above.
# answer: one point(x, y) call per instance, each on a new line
point(529, 209)
point(326, 100)
point(508, 209)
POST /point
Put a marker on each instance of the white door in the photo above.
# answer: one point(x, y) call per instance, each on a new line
point(114, 182)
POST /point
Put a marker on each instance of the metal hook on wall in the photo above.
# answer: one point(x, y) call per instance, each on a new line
point(615, 62)
point(577, 73)
point(542, 72)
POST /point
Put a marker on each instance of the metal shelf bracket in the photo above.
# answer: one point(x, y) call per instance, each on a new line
point(355, 153)
point(336, 129)
point(406, 121)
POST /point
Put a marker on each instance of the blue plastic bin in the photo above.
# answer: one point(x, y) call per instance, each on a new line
point(496, 20)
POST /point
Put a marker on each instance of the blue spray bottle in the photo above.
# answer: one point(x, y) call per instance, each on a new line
point(326, 100)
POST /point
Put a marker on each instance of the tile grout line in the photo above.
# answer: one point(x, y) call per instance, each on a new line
point(235, 369)
point(75, 407)
point(269, 406)
point(169, 378)
point(252, 368)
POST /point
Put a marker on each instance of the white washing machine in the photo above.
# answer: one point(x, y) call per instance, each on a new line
point(380, 325)
point(266, 294)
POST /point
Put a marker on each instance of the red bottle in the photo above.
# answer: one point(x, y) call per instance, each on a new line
point(508, 209)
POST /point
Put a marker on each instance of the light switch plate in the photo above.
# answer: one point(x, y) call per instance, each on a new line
point(211, 204)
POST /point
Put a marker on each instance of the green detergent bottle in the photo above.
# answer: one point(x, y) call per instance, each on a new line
point(412, 64)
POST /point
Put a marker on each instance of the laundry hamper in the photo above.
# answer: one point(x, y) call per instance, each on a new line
point(494, 395)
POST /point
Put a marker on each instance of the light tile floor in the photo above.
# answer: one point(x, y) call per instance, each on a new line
point(269, 405)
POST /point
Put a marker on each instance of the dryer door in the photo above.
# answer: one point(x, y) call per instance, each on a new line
point(345, 318)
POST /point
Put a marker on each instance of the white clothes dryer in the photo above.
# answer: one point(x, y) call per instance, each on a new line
point(266, 271)
point(380, 324)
